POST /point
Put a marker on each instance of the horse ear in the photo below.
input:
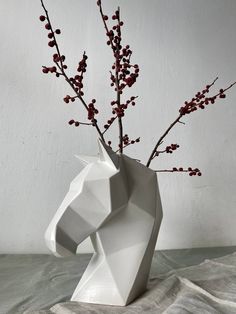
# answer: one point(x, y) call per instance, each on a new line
point(106, 154)
point(86, 160)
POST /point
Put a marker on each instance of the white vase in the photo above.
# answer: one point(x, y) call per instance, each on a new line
point(115, 200)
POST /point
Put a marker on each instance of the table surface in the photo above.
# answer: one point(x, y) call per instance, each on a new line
point(38, 281)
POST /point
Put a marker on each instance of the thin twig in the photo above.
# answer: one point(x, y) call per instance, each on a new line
point(109, 125)
point(170, 170)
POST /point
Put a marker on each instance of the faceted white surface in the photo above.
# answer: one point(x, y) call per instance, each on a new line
point(115, 200)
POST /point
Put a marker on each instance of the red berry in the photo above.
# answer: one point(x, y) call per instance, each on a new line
point(42, 18)
point(71, 122)
point(45, 70)
point(98, 2)
point(181, 169)
point(51, 43)
point(109, 142)
point(222, 95)
point(76, 123)
point(50, 35)
point(47, 26)
point(105, 17)
point(58, 31)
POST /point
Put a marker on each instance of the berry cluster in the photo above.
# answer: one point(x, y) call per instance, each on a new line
point(48, 27)
point(201, 100)
point(57, 58)
point(77, 80)
point(76, 123)
point(127, 141)
point(119, 109)
point(192, 172)
point(92, 111)
point(68, 98)
point(125, 73)
point(52, 69)
point(169, 149)
point(109, 123)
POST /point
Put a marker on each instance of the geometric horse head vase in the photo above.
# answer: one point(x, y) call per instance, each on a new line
point(115, 200)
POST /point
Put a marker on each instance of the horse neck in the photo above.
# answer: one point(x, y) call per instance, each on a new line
point(130, 229)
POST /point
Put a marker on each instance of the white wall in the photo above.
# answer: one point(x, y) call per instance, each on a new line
point(180, 46)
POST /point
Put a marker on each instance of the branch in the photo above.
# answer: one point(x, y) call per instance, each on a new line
point(152, 156)
point(78, 123)
point(115, 48)
point(128, 142)
point(62, 67)
point(191, 172)
point(199, 101)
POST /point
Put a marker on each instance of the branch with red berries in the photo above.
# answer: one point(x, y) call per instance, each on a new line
point(123, 73)
point(76, 82)
point(169, 149)
point(200, 101)
point(190, 171)
point(127, 141)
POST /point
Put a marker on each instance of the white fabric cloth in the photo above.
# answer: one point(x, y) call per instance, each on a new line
point(43, 284)
point(206, 288)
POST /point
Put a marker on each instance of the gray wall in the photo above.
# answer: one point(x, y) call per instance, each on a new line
point(180, 46)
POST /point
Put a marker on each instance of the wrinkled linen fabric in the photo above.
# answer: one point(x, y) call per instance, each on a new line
point(43, 284)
